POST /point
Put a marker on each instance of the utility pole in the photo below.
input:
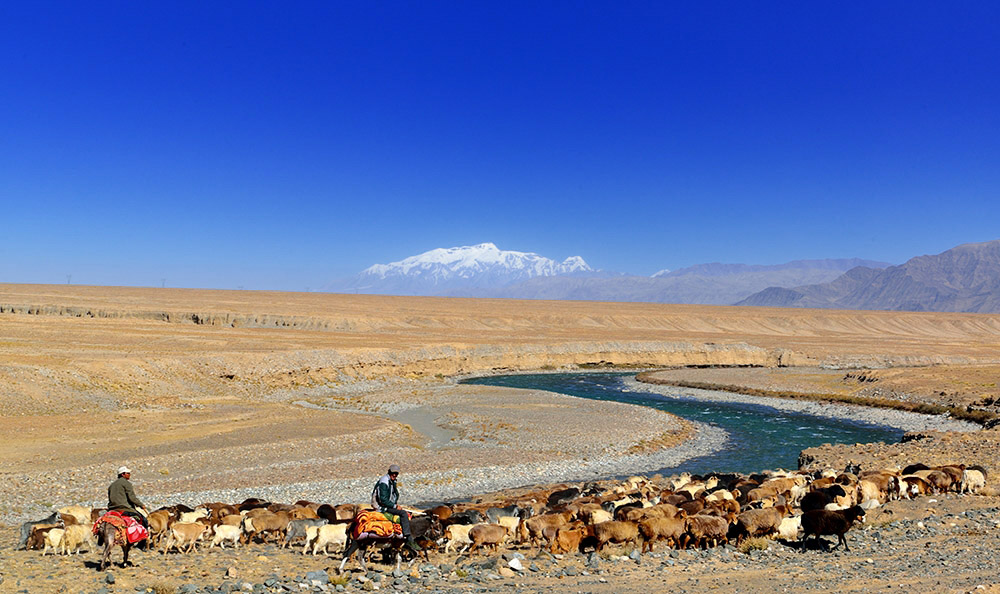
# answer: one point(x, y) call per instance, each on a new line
point(69, 277)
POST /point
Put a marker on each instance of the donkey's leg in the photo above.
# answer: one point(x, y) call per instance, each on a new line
point(350, 550)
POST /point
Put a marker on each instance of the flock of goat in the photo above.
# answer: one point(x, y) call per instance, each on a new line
point(683, 511)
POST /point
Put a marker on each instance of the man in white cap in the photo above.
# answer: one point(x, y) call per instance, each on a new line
point(121, 497)
point(385, 498)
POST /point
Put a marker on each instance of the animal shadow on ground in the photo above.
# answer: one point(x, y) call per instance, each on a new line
point(96, 565)
point(815, 544)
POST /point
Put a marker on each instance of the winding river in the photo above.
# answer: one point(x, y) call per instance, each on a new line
point(759, 436)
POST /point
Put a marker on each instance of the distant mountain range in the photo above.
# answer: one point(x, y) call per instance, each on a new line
point(484, 270)
point(444, 270)
point(708, 284)
point(962, 279)
point(966, 278)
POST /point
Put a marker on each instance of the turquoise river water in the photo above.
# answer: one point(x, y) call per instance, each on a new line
point(760, 437)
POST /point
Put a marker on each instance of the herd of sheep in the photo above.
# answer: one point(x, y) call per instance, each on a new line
point(682, 511)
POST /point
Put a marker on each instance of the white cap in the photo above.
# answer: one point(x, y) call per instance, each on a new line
point(123, 470)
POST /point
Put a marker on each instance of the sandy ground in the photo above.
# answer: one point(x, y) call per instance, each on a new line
point(242, 390)
point(252, 446)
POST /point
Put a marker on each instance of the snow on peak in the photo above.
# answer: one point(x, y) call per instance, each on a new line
point(477, 265)
point(663, 272)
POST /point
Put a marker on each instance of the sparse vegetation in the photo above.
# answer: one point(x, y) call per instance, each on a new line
point(162, 587)
point(758, 543)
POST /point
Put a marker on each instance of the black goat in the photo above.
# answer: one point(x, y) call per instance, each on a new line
point(822, 522)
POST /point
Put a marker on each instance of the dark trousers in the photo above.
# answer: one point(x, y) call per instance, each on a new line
point(139, 517)
point(404, 519)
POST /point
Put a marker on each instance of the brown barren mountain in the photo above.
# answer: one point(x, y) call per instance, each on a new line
point(962, 279)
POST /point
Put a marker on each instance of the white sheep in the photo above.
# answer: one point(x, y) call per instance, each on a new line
point(323, 536)
point(511, 523)
point(458, 534)
point(972, 480)
point(75, 537)
point(79, 512)
point(192, 516)
point(53, 540)
point(789, 528)
point(224, 533)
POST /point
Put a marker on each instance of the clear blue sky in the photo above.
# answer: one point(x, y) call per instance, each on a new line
point(283, 145)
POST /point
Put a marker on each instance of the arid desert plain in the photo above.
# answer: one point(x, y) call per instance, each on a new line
point(216, 395)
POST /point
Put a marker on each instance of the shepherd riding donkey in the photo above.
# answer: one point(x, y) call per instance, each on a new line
point(387, 524)
point(123, 525)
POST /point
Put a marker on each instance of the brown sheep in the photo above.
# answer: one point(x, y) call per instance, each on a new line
point(159, 523)
point(886, 482)
point(662, 528)
point(567, 540)
point(303, 513)
point(938, 481)
point(911, 486)
point(221, 510)
point(533, 528)
point(36, 539)
point(582, 510)
point(693, 507)
point(700, 530)
point(231, 520)
point(491, 535)
point(182, 533)
point(722, 507)
point(616, 532)
point(443, 512)
point(265, 525)
point(758, 522)
point(256, 512)
point(675, 498)
point(954, 472)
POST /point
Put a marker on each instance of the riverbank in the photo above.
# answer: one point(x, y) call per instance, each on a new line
point(932, 440)
point(452, 440)
point(900, 419)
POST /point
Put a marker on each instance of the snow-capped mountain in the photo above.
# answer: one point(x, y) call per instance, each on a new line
point(442, 270)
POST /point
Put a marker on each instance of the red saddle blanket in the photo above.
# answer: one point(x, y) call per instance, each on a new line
point(127, 529)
